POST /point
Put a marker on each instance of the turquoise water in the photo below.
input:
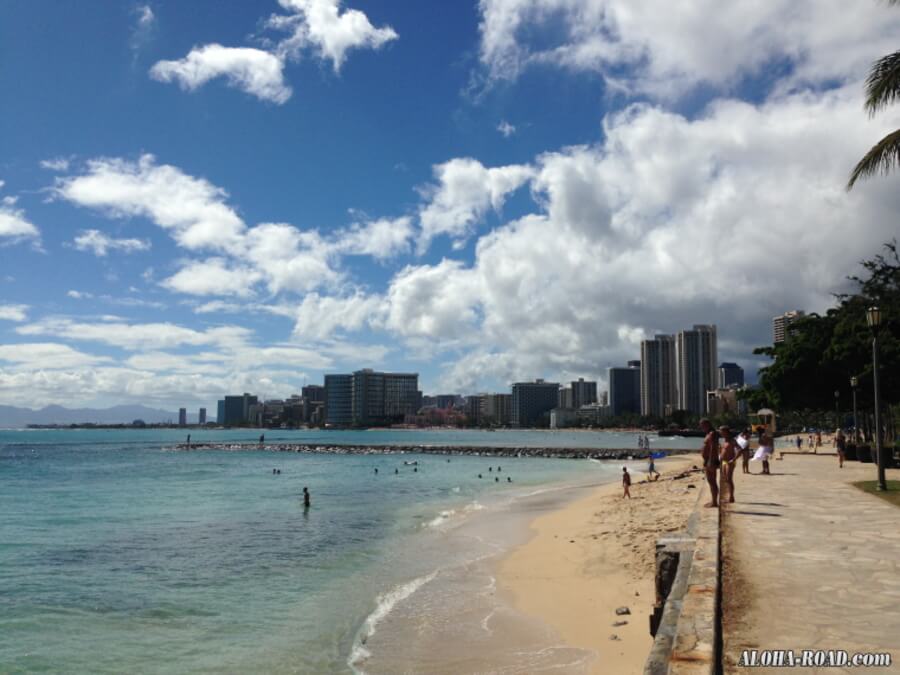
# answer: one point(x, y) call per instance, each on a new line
point(118, 555)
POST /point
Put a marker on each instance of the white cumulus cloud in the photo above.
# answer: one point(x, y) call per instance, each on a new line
point(193, 209)
point(666, 49)
point(100, 243)
point(465, 191)
point(254, 71)
point(322, 25)
point(14, 226)
point(13, 312)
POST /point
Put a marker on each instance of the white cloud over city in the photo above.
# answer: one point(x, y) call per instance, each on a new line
point(725, 209)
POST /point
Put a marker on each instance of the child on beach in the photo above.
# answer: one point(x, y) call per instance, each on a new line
point(626, 482)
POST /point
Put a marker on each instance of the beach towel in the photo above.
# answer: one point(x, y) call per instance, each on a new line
point(657, 455)
point(762, 453)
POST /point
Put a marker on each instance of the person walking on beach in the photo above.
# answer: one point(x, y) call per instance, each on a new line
point(840, 443)
point(728, 457)
point(743, 442)
point(710, 455)
point(651, 468)
point(626, 482)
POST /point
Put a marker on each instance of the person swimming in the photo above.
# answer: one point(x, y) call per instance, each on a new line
point(396, 471)
point(508, 479)
point(376, 470)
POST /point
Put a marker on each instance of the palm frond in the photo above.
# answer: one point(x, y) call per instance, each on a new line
point(883, 82)
point(884, 156)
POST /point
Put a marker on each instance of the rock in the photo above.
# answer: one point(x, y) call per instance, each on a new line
point(614, 637)
point(616, 624)
point(621, 611)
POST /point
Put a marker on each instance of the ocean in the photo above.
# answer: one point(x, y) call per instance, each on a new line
point(120, 554)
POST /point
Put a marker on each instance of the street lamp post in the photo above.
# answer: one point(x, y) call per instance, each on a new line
point(854, 382)
point(873, 318)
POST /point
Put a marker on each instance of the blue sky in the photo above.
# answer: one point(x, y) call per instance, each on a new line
point(201, 198)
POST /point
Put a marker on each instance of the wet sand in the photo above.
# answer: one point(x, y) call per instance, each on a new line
point(597, 554)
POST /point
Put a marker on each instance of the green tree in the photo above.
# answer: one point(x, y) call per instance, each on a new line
point(882, 89)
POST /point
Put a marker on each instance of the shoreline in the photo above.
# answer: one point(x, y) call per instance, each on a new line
point(595, 554)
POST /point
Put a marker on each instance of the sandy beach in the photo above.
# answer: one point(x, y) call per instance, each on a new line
point(597, 554)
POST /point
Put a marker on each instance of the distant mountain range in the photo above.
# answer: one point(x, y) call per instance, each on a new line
point(11, 416)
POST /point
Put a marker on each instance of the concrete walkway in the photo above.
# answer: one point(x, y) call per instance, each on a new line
point(810, 562)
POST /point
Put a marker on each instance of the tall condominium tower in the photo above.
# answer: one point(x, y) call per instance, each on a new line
point(730, 374)
point(583, 393)
point(531, 401)
point(625, 391)
point(696, 363)
point(658, 391)
point(781, 323)
point(368, 397)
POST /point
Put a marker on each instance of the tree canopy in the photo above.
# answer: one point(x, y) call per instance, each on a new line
point(822, 352)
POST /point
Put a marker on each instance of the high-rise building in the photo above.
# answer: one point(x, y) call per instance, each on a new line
point(201, 417)
point(339, 400)
point(658, 392)
point(401, 396)
point(566, 398)
point(474, 406)
point(625, 391)
point(495, 408)
point(730, 374)
point(532, 401)
point(368, 397)
point(314, 393)
point(182, 417)
point(445, 400)
point(236, 409)
point(220, 412)
point(780, 325)
point(583, 392)
point(696, 356)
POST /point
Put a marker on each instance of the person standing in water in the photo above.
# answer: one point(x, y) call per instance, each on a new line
point(306, 499)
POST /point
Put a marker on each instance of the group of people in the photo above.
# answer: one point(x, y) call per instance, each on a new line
point(721, 451)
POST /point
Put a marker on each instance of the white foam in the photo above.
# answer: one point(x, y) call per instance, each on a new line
point(384, 605)
point(440, 519)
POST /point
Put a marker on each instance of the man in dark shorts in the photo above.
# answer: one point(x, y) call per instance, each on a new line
point(626, 483)
point(710, 454)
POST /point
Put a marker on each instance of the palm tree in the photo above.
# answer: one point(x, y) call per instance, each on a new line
point(882, 89)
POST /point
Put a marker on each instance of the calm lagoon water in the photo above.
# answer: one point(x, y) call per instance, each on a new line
point(118, 554)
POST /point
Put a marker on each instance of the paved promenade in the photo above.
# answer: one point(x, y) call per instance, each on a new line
point(811, 562)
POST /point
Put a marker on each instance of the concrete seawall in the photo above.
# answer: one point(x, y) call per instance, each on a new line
point(686, 623)
point(474, 451)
